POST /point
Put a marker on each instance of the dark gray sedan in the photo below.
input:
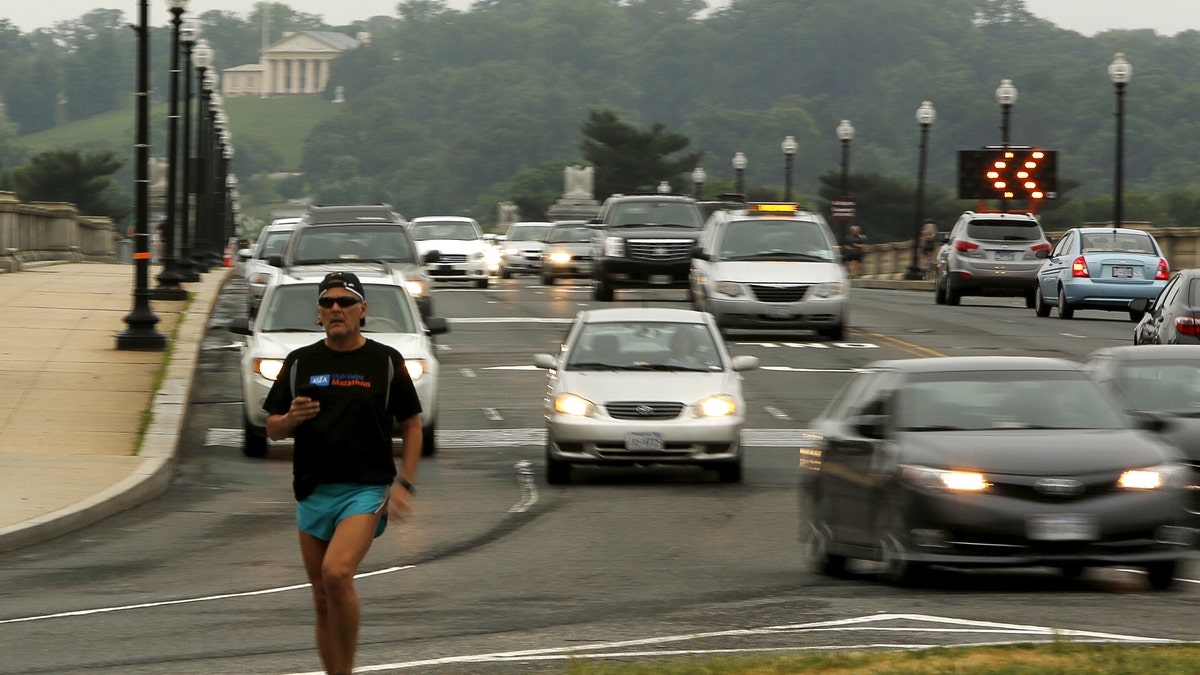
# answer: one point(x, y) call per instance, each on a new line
point(991, 462)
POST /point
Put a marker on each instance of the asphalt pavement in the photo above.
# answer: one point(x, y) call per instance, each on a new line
point(86, 429)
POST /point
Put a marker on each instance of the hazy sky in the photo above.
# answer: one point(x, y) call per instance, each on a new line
point(1086, 16)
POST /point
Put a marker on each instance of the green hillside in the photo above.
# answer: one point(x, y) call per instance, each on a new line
point(282, 123)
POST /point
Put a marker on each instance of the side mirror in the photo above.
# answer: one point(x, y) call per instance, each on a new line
point(871, 426)
point(938, 238)
point(1042, 253)
point(239, 325)
point(431, 257)
point(436, 325)
point(1139, 304)
point(275, 260)
point(1151, 421)
point(741, 363)
point(699, 254)
point(545, 361)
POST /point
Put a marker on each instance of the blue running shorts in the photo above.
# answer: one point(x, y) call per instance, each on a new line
point(319, 513)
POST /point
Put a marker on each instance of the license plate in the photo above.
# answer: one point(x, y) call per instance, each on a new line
point(778, 313)
point(1065, 527)
point(445, 268)
point(1123, 272)
point(660, 279)
point(1004, 256)
point(643, 440)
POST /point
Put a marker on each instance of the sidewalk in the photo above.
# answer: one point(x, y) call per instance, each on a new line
point(71, 403)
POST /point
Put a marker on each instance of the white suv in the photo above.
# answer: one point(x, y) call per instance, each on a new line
point(462, 252)
point(770, 266)
point(990, 254)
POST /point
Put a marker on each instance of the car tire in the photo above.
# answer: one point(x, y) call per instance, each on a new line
point(824, 562)
point(1071, 570)
point(547, 279)
point(1030, 299)
point(939, 291)
point(729, 472)
point(481, 283)
point(429, 440)
point(505, 274)
point(601, 291)
point(253, 445)
point(558, 472)
point(1065, 310)
point(953, 293)
point(1040, 307)
point(833, 333)
point(1161, 574)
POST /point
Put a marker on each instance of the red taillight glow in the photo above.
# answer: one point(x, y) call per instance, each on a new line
point(1163, 272)
point(1186, 325)
point(1040, 247)
point(1079, 268)
point(965, 246)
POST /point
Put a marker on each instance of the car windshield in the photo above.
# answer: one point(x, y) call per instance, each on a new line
point(527, 233)
point(645, 345)
point(1116, 242)
point(655, 213)
point(353, 242)
point(444, 230)
point(570, 235)
point(971, 401)
point(273, 243)
point(1004, 230)
point(765, 239)
point(293, 309)
point(1167, 386)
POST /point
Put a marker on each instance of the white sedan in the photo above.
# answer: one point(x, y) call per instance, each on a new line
point(641, 386)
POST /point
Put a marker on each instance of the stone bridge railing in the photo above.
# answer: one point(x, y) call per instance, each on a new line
point(39, 231)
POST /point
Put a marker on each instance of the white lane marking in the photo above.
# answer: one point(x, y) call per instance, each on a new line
point(603, 650)
point(512, 368)
point(466, 372)
point(187, 601)
point(529, 436)
point(777, 413)
point(510, 319)
point(492, 414)
point(791, 369)
point(529, 493)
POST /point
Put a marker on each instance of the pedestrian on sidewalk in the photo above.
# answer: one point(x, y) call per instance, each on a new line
point(339, 398)
point(853, 251)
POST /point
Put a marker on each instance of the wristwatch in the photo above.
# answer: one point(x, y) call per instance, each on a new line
point(407, 485)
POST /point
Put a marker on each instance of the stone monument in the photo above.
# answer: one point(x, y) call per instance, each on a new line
point(577, 201)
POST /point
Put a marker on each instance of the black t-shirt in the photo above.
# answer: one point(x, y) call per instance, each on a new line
point(362, 392)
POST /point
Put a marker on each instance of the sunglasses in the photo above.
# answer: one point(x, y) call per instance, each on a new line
point(341, 301)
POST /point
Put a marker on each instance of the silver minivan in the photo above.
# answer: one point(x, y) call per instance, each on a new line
point(770, 265)
point(990, 254)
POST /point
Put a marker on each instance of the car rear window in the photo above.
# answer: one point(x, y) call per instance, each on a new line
point(996, 230)
point(1122, 242)
point(353, 242)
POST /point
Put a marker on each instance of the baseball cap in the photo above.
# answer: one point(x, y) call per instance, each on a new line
point(346, 280)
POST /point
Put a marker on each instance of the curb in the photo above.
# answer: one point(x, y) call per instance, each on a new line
point(159, 446)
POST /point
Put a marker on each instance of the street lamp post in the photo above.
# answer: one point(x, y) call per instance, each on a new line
point(698, 178)
point(845, 134)
point(202, 56)
point(788, 146)
point(1119, 71)
point(739, 172)
point(140, 331)
point(1006, 96)
point(169, 279)
point(187, 266)
point(925, 117)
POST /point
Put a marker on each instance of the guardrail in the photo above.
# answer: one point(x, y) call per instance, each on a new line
point(37, 231)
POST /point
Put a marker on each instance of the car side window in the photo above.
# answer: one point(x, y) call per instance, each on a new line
point(1063, 245)
point(1193, 292)
point(1168, 294)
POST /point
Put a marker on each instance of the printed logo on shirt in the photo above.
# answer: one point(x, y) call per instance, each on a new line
point(319, 380)
point(344, 380)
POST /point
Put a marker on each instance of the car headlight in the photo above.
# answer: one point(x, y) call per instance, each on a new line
point(416, 368)
point(1155, 477)
point(944, 479)
point(827, 290)
point(570, 404)
point(614, 247)
point(560, 257)
point(720, 405)
point(730, 288)
point(512, 251)
point(415, 288)
point(492, 255)
point(268, 368)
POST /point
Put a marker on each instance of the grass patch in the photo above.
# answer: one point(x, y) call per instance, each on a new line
point(161, 375)
point(1020, 659)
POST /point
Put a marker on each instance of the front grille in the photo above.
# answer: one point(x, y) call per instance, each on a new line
point(452, 258)
point(779, 293)
point(643, 410)
point(660, 250)
point(1029, 493)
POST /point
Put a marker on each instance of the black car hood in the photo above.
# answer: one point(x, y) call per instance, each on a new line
point(1035, 452)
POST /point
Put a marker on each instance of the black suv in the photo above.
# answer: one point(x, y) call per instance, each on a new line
point(645, 241)
point(331, 238)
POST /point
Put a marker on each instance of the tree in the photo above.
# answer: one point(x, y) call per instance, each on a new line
point(629, 160)
point(68, 176)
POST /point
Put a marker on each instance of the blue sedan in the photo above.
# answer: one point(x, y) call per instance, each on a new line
point(1100, 268)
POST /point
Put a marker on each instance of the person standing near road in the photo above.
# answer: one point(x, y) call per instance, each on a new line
point(853, 250)
point(339, 398)
point(928, 245)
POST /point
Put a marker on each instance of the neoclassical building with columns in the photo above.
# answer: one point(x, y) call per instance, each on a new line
point(295, 65)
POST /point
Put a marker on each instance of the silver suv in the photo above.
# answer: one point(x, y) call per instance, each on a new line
point(990, 254)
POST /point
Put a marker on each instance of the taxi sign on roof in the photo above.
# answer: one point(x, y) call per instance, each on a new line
point(773, 208)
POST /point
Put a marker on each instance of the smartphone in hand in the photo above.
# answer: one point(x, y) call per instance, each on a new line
point(310, 390)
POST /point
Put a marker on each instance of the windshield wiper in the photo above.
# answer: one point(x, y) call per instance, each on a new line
point(772, 255)
point(934, 427)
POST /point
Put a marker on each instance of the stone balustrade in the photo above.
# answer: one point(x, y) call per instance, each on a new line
point(40, 231)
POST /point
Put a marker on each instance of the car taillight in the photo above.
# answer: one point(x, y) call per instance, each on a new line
point(965, 246)
point(1163, 272)
point(1186, 325)
point(1079, 268)
point(1040, 247)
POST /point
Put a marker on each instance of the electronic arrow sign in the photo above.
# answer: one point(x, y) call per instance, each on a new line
point(1007, 173)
